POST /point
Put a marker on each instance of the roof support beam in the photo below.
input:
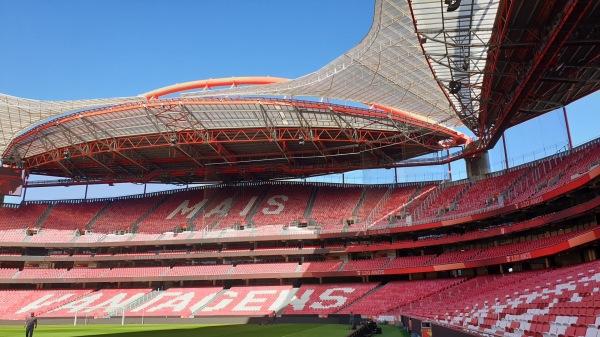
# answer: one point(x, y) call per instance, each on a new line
point(543, 57)
point(111, 144)
point(55, 155)
point(193, 120)
point(82, 147)
point(273, 131)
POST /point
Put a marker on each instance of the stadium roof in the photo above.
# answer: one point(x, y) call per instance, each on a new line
point(430, 64)
point(387, 67)
point(187, 140)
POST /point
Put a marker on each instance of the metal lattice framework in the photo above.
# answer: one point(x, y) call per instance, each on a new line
point(456, 45)
point(546, 55)
point(387, 68)
point(195, 139)
point(424, 66)
point(18, 114)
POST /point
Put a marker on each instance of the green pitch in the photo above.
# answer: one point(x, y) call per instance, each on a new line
point(182, 330)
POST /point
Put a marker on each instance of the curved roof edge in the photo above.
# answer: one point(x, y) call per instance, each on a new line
point(387, 68)
point(18, 114)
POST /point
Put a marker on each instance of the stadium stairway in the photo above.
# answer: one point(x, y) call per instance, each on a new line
point(135, 225)
point(393, 203)
point(416, 195)
point(453, 202)
point(311, 202)
point(192, 221)
point(216, 225)
point(387, 263)
point(207, 303)
point(133, 304)
point(422, 200)
point(258, 203)
point(361, 201)
point(287, 301)
point(447, 199)
point(343, 265)
point(42, 218)
point(377, 210)
point(511, 187)
point(90, 224)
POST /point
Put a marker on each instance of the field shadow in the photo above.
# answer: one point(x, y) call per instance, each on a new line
point(243, 330)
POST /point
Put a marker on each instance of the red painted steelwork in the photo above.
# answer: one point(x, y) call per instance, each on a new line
point(212, 83)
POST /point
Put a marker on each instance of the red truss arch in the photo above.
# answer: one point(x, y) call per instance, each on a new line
point(214, 139)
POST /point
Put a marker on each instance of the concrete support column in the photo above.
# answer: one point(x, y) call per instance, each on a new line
point(478, 164)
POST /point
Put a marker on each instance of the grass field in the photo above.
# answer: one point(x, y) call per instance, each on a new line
point(182, 330)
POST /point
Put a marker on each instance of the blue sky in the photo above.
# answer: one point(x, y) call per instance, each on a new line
point(69, 49)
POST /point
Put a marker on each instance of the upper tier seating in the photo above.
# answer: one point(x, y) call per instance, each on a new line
point(12, 235)
point(485, 192)
point(117, 238)
point(221, 208)
point(244, 201)
point(397, 201)
point(179, 209)
point(7, 272)
point(282, 205)
point(215, 210)
point(586, 158)
point(441, 204)
point(121, 214)
point(324, 299)
point(373, 198)
point(332, 205)
point(89, 238)
point(144, 237)
point(553, 173)
point(22, 217)
point(175, 236)
point(71, 216)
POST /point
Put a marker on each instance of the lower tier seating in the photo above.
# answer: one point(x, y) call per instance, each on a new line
point(247, 301)
point(99, 303)
point(561, 302)
point(323, 299)
point(17, 304)
point(396, 294)
point(556, 302)
point(178, 302)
